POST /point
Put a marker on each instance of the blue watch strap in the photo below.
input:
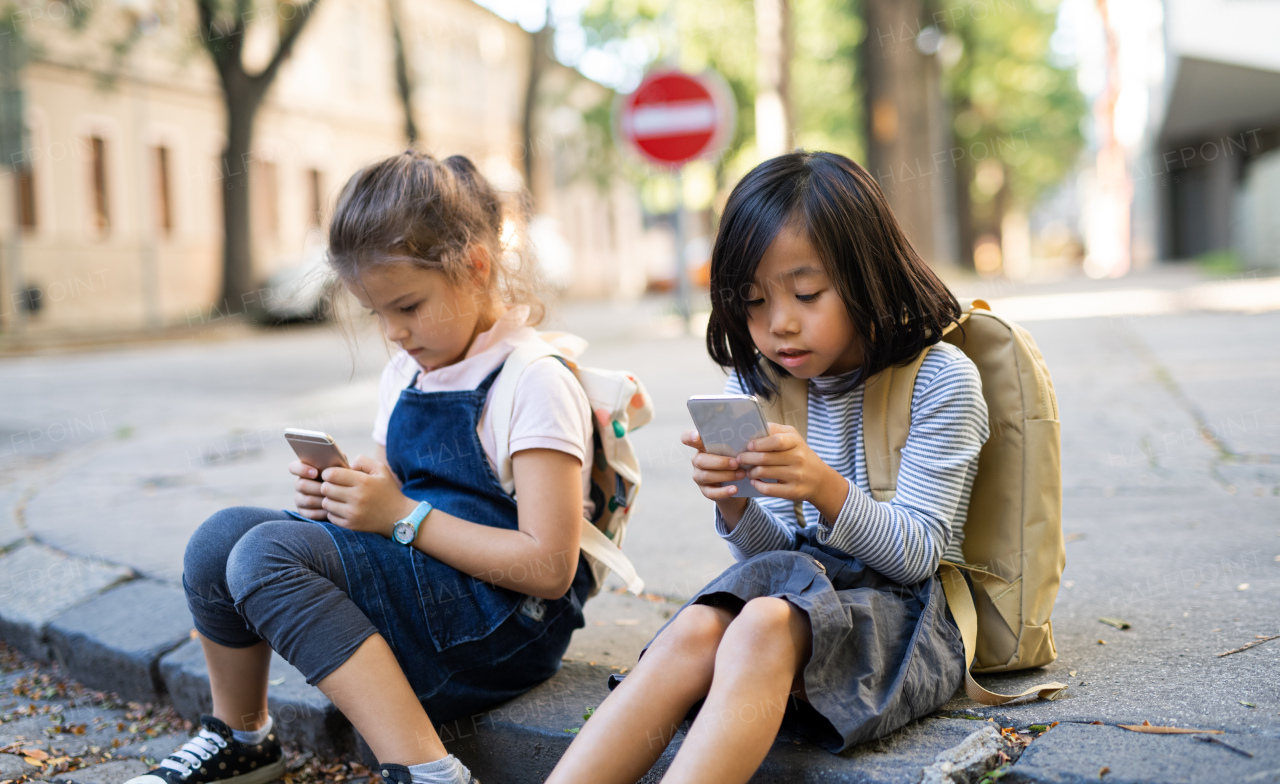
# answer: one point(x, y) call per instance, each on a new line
point(416, 517)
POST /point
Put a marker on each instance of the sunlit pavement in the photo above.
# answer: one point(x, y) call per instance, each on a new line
point(1167, 387)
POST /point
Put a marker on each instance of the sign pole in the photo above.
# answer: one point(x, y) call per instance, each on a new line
point(673, 118)
point(682, 261)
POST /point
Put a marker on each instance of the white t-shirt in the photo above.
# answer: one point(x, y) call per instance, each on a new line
point(551, 409)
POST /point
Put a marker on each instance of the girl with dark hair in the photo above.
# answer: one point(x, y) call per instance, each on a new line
point(833, 613)
point(410, 587)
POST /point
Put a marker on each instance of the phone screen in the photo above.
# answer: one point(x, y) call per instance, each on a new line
point(726, 424)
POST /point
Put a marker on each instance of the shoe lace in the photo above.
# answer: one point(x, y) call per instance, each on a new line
point(194, 752)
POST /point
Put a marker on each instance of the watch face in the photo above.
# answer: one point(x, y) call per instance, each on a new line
point(402, 533)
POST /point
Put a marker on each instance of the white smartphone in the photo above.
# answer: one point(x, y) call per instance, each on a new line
point(726, 424)
point(316, 449)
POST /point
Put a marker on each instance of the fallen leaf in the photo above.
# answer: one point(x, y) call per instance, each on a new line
point(1102, 642)
point(1153, 729)
point(1072, 673)
point(37, 754)
point(1248, 704)
point(1104, 772)
point(1119, 623)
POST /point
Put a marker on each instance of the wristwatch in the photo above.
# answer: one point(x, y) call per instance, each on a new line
point(406, 530)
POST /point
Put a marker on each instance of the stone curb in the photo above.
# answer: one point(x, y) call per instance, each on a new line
point(1072, 753)
point(38, 584)
point(133, 637)
point(114, 641)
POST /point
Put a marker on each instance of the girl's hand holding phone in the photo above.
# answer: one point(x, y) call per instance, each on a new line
point(799, 474)
point(709, 471)
point(307, 496)
point(365, 497)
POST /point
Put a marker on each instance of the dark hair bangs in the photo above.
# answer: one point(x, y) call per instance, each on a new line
point(897, 304)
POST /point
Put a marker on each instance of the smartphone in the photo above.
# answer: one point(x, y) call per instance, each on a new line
point(726, 424)
point(316, 449)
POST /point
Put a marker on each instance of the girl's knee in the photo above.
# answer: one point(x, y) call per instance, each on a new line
point(767, 626)
point(205, 560)
point(697, 627)
point(258, 554)
point(766, 613)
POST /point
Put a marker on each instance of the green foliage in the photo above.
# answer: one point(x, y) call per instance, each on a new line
point(1220, 262)
point(1011, 104)
point(826, 96)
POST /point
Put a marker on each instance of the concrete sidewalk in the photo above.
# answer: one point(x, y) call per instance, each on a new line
point(1171, 439)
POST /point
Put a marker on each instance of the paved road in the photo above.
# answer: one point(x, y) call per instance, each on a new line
point(1171, 462)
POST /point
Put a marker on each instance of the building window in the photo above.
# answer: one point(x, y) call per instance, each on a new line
point(26, 196)
point(163, 193)
point(315, 199)
point(98, 182)
point(264, 197)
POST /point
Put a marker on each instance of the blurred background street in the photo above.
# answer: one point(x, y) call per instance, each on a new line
point(1105, 173)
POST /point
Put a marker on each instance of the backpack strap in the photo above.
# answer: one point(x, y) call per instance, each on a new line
point(886, 419)
point(960, 602)
point(592, 541)
point(502, 403)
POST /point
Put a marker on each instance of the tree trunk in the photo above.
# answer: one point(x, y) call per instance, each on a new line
point(404, 84)
point(902, 110)
point(540, 46)
point(223, 37)
point(237, 255)
point(963, 173)
point(775, 126)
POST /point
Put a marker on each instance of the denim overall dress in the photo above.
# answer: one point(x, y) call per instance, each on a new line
point(464, 644)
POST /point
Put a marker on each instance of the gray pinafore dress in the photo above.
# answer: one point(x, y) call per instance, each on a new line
point(883, 653)
point(464, 644)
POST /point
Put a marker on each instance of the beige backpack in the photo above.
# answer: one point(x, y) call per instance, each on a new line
point(1013, 548)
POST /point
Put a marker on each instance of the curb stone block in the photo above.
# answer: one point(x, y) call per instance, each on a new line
point(1071, 753)
point(521, 740)
point(38, 583)
point(303, 715)
point(115, 640)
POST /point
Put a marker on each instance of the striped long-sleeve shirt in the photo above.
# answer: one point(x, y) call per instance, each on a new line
point(905, 537)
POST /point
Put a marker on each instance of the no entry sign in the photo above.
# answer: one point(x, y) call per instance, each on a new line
point(674, 117)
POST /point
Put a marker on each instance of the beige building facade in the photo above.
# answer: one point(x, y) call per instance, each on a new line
point(113, 216)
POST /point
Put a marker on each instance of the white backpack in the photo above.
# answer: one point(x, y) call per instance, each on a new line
point(620, 404)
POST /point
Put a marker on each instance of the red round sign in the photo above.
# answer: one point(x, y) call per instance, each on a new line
point(674, 117)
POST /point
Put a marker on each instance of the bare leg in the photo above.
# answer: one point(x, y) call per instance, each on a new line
point(632, 727)
point(372, 692)
point(759, 659)
point(238, 679)
point(369, 688)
